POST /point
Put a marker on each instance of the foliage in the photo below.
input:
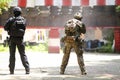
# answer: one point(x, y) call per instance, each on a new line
point(118, 9)
point(40, 47)
point(106, 45)
point(109, 35)
point(4, 5)
point(106, 48)
point(3, 49)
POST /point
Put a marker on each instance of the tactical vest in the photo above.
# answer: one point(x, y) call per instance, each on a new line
point(74, 26)
point(17, 28)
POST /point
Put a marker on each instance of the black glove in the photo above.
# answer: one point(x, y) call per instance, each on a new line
point(76, 38)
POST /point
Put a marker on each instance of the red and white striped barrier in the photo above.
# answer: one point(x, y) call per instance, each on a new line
point(33, 3)
point(54, 41)
point(117, 39)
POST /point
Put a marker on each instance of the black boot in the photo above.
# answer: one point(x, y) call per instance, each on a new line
point(11, 71)
point(27, 70)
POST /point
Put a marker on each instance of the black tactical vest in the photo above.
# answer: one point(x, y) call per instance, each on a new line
point(17, 27)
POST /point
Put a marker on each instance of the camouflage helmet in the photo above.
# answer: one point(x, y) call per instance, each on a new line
point(78, 15)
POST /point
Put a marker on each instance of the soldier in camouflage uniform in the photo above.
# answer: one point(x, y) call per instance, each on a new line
point(73, 30)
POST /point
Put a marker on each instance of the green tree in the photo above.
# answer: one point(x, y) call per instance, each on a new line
point(118, 9)
point(4, 5)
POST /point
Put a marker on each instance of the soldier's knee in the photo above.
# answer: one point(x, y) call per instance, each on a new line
point(81, 51)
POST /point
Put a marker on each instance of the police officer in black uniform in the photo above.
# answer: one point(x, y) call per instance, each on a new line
point(15, 26)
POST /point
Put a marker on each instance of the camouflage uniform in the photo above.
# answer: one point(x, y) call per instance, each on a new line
point(73, 30)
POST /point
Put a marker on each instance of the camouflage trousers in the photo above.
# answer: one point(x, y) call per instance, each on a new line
point(79, 53)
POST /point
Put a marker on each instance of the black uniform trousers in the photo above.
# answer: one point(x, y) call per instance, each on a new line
point(13, 43)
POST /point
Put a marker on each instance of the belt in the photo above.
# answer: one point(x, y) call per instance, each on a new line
point(15, 37)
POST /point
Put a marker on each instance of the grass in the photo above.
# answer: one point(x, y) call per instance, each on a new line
point(4, 49)
point(106, 48)
point(42, 47)
point(38, 48)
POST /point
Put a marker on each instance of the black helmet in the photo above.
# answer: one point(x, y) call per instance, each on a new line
point(17, 11)
point(78, 15)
